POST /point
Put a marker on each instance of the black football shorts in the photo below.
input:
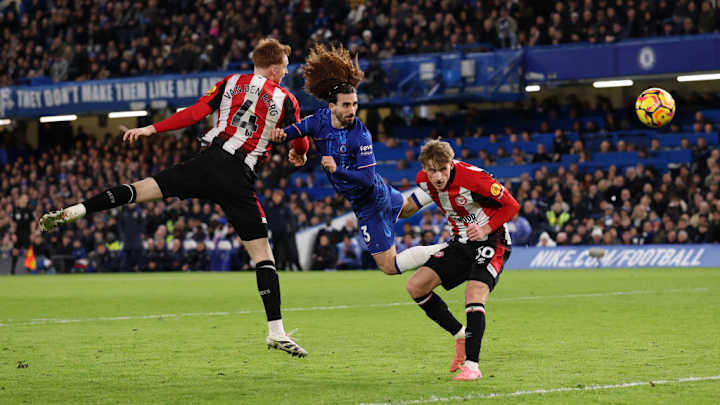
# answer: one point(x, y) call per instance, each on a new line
point(460, 262)
point(218, 176)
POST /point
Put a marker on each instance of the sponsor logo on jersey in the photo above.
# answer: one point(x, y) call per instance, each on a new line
point(495, 189)
point(468, 219)
point(366, 150)
point(211, 91)
point(461, 200)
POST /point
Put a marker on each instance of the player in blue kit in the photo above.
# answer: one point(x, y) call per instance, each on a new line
point(347, 156)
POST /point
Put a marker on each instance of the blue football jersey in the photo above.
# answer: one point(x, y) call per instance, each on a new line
point(352, 150)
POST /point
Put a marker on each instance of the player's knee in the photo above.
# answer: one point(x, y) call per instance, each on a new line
point(386, 264)
point(388, 268)
point(415, 288)
point(476, 291)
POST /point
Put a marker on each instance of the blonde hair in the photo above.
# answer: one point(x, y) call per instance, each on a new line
point(268, 52)
point(436, 151)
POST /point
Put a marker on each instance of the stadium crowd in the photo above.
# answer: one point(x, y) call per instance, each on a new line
point(96, 39)
point(567, 207)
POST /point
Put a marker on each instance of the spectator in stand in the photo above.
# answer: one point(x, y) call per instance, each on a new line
point(280, 224)
point(349, 253)
point(541, 156)
point(177, 258)
point(131, 225)
point(198, 259)
point(520, 230)
point(324, 256)
point(22, 216)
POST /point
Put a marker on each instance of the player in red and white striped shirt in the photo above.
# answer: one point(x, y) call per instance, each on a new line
point(249, 106)
point(477, 207)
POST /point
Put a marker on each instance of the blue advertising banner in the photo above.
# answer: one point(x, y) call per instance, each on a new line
point(409, 80)
point(123, 94)
point(628, 58)
point(578, 257)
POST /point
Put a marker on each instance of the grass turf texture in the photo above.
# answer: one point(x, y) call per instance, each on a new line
point(546, 330)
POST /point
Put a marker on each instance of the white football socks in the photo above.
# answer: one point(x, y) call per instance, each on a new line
point(75, 211)
point(416, 256)
point(275, 328)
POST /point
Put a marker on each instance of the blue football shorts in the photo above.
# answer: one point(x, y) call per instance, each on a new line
point(376, 221)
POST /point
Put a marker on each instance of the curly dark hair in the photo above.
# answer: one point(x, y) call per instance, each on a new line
point(331, 71)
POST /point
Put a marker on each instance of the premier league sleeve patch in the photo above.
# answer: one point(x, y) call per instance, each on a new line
point(496, 190)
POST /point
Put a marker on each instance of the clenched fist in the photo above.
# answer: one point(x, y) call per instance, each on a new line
point(328, 163)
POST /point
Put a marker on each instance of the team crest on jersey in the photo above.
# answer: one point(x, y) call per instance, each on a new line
point(211, 91)
point(461, 200)
point(439, 254)
point(343, 148)
point(495, 189)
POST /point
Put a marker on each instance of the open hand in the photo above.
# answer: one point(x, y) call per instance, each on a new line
point(132, 135)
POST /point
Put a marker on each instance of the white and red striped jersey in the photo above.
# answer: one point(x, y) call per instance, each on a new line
point(249, 106)
point(472, 195)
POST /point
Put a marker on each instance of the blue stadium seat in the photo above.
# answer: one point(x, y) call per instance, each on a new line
point(675, 156)
point(383, 153)
point(615, 157)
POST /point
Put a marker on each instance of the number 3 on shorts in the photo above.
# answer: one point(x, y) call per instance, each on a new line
point(365, 233)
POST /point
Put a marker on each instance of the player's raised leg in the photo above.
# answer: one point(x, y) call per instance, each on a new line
point(393, 263)
point(421, 286)
point(140, 191)
point(248, 219)
point(476, 294)
point(380, 237)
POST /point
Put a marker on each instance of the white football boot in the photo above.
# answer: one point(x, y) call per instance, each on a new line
point(53, 219)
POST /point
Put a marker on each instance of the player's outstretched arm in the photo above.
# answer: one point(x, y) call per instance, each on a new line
point(182, 119)
point(132, 135)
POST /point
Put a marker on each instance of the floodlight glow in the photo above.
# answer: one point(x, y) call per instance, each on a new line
point(612, 83)
point(58, 118)
point(698, 78)
point(127, 114)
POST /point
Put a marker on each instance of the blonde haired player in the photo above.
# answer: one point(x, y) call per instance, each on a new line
point(477, 207)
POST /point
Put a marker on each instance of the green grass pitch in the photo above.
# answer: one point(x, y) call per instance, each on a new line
point(585, 336)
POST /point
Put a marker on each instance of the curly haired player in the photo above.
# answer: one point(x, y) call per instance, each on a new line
point(249, 106)
point(348, 159)
point(478, 207)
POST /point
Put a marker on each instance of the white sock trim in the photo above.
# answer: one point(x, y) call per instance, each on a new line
point(276, 328)
point(472, 365)
point(75, 211)
point(460, 334)
point(426, 299)
point(132, 193)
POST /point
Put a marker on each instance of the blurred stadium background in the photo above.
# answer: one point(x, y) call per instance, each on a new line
point(540, 93)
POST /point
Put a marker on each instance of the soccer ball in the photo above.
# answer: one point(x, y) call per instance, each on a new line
point(655, 107)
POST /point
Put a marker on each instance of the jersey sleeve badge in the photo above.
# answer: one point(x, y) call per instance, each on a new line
point(495, 189)
point(211, 91)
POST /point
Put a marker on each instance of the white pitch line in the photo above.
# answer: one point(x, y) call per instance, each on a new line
point(45, 321)
point(434, 399)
